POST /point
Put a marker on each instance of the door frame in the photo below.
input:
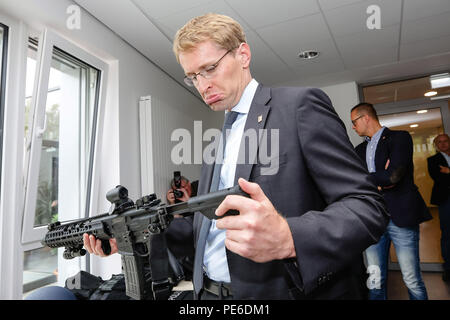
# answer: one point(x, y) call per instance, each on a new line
point(408, 106)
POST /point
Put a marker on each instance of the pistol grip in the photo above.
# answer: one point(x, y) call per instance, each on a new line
point(230, 212)
point(106, 247)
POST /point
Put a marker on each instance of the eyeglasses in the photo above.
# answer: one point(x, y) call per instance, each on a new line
point(206, 73)
point(354, 121)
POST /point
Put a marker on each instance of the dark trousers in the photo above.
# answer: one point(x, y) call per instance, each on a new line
point(205, 295)
point(444, 218)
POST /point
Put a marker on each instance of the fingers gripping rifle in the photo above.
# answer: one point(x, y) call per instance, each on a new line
point(139, 232)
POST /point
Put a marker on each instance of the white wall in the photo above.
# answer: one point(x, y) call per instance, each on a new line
point(167, 121)
point(344, 97)
point(131, 76)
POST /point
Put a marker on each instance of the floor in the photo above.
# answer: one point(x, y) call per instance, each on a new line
point(436, 288)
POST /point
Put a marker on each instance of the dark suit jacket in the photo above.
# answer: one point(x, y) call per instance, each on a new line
point(403, 200)
point(441, 186)
point(333, 209)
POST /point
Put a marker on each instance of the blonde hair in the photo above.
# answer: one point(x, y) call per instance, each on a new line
point(221, 29)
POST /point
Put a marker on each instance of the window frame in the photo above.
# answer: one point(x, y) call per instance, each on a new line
point(11, 204)
point(4, 64)
point(12, 183)
point(31, 235)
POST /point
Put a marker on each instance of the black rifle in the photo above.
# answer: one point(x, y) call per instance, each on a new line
point(139, 232)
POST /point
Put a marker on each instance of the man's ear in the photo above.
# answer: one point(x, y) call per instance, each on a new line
point(245, 54)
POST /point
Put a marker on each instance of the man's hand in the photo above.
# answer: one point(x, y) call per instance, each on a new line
point(171, 197)
point(443, 169)
point(259, 232)
point(94, 245)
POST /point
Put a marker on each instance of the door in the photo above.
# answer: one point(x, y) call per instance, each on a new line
point(424, 122)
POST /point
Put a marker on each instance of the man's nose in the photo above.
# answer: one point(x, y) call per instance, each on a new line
point(202, 84)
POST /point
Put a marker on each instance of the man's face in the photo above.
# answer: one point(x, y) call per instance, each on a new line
point(443, 143)
point(358, 123)
point(224, 89)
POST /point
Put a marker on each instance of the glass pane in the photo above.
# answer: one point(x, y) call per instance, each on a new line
point(1, 46)
point(64, 162)
point(40, 268)
point(1, 58)
point(3, 43)
point(401, 90)
point(65, 156)
point(31, 71)
point(423, 126)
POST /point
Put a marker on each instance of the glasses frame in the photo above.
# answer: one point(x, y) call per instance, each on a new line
point(354, 121)
point(205, 73)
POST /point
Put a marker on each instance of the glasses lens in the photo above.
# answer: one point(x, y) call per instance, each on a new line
point(189, 81)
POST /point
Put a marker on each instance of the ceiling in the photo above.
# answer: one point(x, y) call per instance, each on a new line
point(402, 121)
point(414, 38)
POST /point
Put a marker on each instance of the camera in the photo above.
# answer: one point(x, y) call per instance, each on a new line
point(177, 194)
point(177, 179)
point(177, 183)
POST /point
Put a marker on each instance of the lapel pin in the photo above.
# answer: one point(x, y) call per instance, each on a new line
point(259, 118)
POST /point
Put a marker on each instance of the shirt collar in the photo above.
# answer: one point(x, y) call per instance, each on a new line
point(376, 136)
point(445, 155)
point(245, 102)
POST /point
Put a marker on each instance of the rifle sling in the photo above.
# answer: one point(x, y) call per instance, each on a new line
point(159, 267)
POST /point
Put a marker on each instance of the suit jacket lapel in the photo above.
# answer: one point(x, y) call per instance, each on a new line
point(256, 120)
point(382, 148)
point(441, 160)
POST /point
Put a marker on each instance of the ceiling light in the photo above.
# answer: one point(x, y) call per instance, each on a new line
point(440, 80)
point(414, 125)
point(430, 93)
point(422, 111)
point(446, 96)
point(308, 54)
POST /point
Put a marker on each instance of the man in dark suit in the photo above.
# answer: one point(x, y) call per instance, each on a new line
point(313, 209)
point(438, 168)
point(388, 156)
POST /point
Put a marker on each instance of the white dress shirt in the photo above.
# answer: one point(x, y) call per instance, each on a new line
point(215, 259)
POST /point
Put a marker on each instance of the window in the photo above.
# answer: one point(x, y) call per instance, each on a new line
point(65, 148)
point(60, 127)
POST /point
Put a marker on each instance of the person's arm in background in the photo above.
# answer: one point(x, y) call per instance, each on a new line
point(399, 159)
point(435, 170)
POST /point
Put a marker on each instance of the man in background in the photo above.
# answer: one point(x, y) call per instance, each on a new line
point(438, 168)
point(387, 154)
